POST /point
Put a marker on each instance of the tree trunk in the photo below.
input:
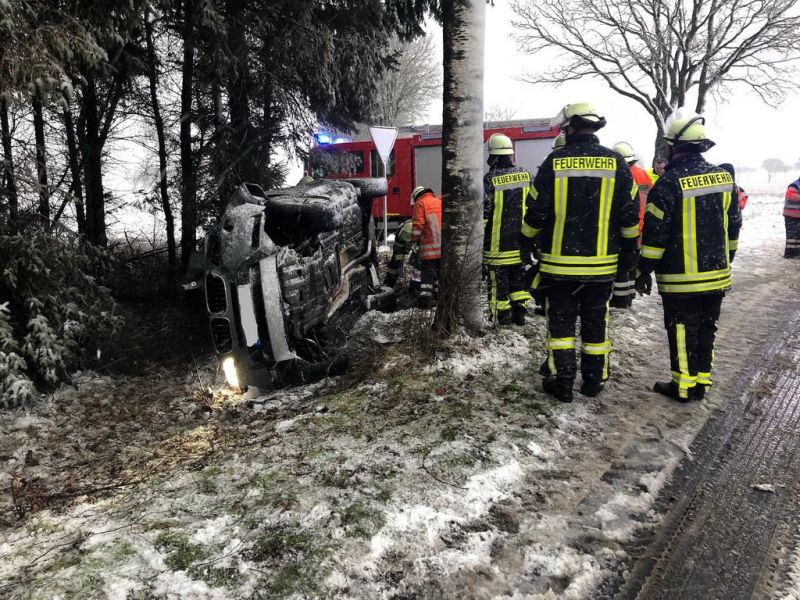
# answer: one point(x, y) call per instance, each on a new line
point(661, 147)
point(41, 159)
point(9, 175)
point(239, 85)
point(76, 188)
point(188, 183)
point(162, 145)
point(702, 92)
point(220, 143)
point(462, 167)
point(92, 151)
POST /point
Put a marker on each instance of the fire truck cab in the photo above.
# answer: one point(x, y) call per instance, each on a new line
point(417, 159)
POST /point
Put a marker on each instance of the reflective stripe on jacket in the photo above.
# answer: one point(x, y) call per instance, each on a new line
point(691, 224)
point(504, 195)
point(582, 209)
point(427, 226)
point(791, 206)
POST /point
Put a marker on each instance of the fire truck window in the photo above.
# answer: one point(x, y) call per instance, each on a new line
point(375, 162)
point(355, 163)
point(336, 162)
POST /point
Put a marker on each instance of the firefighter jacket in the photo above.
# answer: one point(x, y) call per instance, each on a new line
point(791, 206)
point(644, 184)
point(581, 210)
point(427, 226)
point(504, 194)
point(691, 224)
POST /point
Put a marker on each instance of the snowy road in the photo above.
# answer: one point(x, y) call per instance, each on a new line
point(451, 479)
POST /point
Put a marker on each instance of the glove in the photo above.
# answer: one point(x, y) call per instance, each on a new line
point(731, 254)
point(628, 260)
point(644, 283)
point(390, 280)
point(526, 256)
point(527, 247)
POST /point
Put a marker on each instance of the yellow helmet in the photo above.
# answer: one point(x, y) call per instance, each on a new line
point(579, 114)
point(560, 141)
point(626, 150)
point(688, 130)
point(500, 144)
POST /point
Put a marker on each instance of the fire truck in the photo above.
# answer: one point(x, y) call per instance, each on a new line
point(417, 159)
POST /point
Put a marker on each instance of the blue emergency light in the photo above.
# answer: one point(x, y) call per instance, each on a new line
point(323, 139)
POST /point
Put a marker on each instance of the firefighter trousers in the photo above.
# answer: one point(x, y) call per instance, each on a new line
point(565, 302)
point(508, 290)
point(624, 289)
point(429, 276)
point(691, 323)
point(792, 237)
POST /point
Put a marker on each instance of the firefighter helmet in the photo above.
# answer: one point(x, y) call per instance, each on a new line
point(560, 141)
point(418, 191)
point(580, 114)
point(500, 144)
point(688, 130)
point(627, 152)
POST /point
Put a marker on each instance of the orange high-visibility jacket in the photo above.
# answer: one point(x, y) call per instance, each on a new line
point(427, 226)
point(641, 178)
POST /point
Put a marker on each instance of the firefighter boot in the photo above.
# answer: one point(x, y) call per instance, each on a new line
point(544, 369)
point(558, 387)
point(699, 391)
point(425, 300)
point(670, 390)
point(518, 313)
point(592, 386)
point(504, 317)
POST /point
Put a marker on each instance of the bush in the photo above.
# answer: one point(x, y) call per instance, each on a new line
point(53, 310)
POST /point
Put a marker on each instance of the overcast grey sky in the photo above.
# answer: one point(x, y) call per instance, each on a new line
point(745, 129)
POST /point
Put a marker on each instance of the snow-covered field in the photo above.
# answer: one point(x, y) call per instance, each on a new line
point(452, 478)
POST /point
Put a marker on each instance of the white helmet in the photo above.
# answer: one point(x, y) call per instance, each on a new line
point(627, 152)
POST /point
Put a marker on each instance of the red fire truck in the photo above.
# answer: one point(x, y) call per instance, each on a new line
point(417, 158)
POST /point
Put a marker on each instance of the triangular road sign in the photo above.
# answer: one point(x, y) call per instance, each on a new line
point(384, 138)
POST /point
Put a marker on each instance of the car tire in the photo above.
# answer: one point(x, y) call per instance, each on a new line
point(308, 214)
point(370, 187)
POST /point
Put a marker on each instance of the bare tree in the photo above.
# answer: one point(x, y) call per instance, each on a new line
point(463, 24)
point(774, 165)
point(657, 52)
point(405, 92)
point(499, 113)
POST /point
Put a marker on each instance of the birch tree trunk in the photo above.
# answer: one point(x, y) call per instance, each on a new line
point(463, 24)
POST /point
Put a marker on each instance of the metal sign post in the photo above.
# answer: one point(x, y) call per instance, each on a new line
point(384, 138)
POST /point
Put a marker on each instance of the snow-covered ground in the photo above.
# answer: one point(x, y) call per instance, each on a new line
point(455, 477)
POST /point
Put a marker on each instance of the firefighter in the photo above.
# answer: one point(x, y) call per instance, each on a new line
point(402, 251)
point(537, 291)
point(505, 188)
point(739, 190)
point(624, 289)
point(791, 216)
point(659, 165)
point(582, 212)
point(691, 230)
point(426, 231)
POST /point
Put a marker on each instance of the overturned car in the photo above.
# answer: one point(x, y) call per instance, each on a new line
point(286, 273)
